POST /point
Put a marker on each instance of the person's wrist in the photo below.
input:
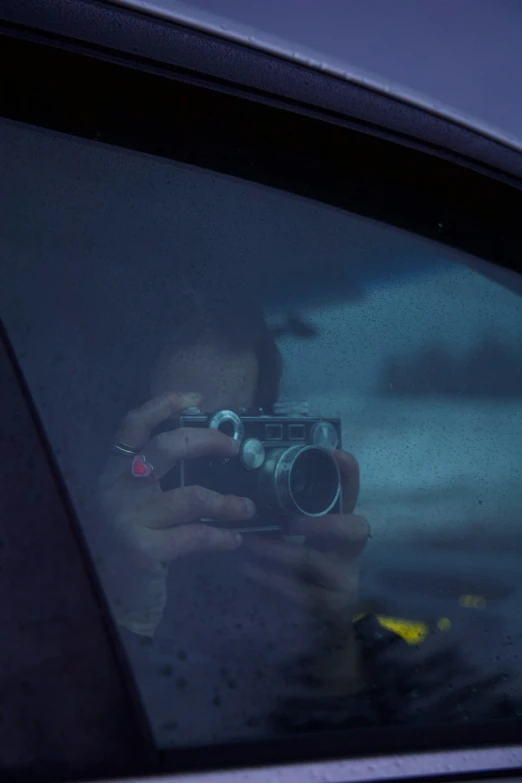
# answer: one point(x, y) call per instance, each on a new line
point(339, 670)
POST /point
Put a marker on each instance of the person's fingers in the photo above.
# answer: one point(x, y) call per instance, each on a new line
point(167, 448)
point(304, 562)
point(181, 541)
point(326, 562)
point(137, 426)
point(300, 593)
point(333, 605)
point(345, 532)
point(284, 552)
point(189, 504)
point(350, 478)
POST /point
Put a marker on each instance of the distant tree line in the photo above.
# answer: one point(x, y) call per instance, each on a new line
point(493, 368)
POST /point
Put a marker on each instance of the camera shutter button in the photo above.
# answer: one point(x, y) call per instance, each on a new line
point(252, 454)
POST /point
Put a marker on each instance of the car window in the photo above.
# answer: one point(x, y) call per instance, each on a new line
point(291, 436)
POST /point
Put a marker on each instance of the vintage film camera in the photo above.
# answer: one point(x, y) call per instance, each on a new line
point(285, 465)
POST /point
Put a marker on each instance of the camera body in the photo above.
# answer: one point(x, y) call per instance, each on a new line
point(285, 465)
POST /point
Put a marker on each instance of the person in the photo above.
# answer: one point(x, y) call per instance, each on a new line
point(235, 635)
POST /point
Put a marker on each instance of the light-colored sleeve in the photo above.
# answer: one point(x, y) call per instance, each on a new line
point(137, 596)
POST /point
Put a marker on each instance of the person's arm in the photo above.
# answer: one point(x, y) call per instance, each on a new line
point(321, 575)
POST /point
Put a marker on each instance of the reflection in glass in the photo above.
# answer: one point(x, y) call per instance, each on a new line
point(237, 558)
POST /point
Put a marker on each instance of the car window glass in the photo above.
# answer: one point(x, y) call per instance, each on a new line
point(328, 338)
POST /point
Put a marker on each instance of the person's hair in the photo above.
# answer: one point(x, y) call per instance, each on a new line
point(234, 325)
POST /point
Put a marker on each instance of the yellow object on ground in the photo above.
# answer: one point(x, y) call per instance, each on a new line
point(411, 631)
point(414, 632)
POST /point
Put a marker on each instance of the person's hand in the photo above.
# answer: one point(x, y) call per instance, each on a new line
point(149, 528)
point(322, 574)
point(162, 526)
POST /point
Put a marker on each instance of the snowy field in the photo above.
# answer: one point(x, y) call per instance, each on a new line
point(435, 463)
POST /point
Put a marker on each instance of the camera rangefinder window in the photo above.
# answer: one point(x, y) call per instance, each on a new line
point(291, 435)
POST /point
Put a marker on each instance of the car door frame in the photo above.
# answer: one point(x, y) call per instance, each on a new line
point(41, 612)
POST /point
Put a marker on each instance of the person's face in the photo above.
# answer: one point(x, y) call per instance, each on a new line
point(226, 380)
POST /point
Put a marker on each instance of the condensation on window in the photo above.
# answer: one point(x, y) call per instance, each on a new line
point(126, 276)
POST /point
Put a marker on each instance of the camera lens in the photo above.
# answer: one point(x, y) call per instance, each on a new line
point(301, 480)
point(314, 482)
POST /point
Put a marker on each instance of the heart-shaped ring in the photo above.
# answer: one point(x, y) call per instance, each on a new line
point(140, 467)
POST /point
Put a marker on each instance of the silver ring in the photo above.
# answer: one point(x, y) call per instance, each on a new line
point(121, 449)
